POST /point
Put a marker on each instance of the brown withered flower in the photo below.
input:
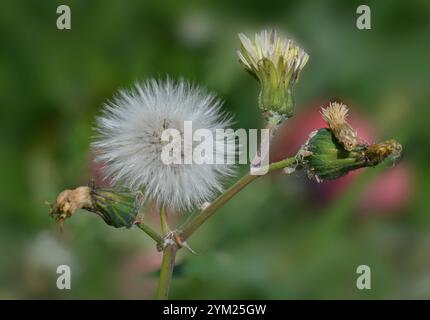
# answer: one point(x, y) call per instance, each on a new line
point(335, 116)
point(117, 206)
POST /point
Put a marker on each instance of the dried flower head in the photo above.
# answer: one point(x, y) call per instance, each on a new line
point(325, 158)
point(129, 142)
point(335, 116)
point(332, 153)
point(69, 201)
point(276, 62)
point(377, 152)
point(118, 207)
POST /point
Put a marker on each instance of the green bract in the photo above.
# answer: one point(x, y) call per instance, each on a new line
point(276, 62)
point(327, 159)
point(118, 207)
point(324, 158)
point(276, 95)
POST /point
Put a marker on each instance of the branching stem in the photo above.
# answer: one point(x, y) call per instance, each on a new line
point(190, 226)
point(151, 232)
point(170, 246)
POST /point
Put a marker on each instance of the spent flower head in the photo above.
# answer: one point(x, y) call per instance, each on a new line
point(130, 143)
point(331, 153)
point(276, 62)
point(118, 207)
point(335, 116)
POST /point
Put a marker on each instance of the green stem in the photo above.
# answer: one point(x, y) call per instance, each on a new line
point(163, 221)
point(282, 164)
point(166, 271)
point(170, 249)
point(151, 232)
point(169, 255)
point(190, 226)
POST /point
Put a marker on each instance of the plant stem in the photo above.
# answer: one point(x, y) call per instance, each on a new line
point(151, 232)
point(169, 255)
point(170, 249)
point(263, 152)
point(282, 164)
point(163, 221)
point(191, 225)
point(166, 271)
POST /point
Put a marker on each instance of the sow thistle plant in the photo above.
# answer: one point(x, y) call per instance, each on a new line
point(130, 140)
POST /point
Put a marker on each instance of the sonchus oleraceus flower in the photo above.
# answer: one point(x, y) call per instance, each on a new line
point(331, 153)
point(276, 62)
point(129, 142)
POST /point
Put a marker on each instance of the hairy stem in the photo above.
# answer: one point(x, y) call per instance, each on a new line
point(190, 226)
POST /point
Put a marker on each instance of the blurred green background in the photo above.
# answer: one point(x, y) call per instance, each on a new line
point(282, 238)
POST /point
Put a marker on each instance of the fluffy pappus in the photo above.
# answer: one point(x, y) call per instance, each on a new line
point(128, 142)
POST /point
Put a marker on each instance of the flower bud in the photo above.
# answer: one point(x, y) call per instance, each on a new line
point(276, 62)
point(118, 207)
point(325, 158)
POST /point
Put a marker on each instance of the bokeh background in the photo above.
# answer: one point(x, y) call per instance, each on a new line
point(281, 238)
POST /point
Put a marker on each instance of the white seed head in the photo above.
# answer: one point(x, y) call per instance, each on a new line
point(129, 142)
point(283, 54)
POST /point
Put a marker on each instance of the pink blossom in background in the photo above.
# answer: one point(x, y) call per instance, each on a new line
point(96, 169)
point(390, 191)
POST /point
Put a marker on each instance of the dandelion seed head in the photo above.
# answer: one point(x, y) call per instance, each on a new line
point(128, 141)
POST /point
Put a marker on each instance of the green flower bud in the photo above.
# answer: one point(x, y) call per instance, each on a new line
point(276, 62)
point(276, 95)
point(118, 207)
point(324, 158)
